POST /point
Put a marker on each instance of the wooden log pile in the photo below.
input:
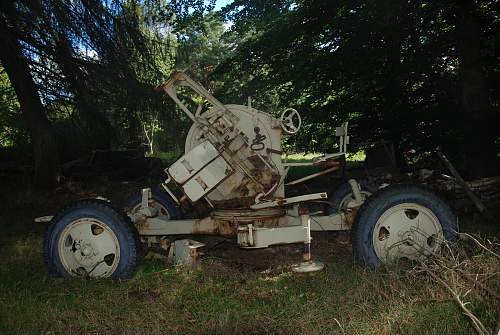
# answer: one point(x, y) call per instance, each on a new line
point(486, 189)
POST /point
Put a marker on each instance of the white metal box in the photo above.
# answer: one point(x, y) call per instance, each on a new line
point(200, 170)
point(207, 179)
point(192, 162)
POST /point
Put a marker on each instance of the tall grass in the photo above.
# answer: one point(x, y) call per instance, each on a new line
point(220, 299)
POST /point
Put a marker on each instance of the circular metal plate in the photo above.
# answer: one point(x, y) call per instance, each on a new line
point(251, 123)
point(88, 247)
point(407, 230)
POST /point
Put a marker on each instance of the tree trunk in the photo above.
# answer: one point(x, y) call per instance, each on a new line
point(478, 117)
point(43, 140)
point(395, 107)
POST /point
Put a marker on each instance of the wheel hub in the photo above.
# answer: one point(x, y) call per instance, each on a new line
point(88, 246)
point(407, 230)
point(86, 251)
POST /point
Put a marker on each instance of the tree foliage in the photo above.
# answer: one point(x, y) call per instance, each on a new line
point(96, 63)
point(11, 130)
point(420, 74)
point(391, 68)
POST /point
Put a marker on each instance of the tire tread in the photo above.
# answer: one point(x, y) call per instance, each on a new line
point(103, 207)
point(362, 229)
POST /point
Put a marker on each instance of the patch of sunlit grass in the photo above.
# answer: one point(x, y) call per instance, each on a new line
point(300, 157)
point(358, 156)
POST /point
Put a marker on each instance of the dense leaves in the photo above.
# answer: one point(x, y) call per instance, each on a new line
point(419, 74)
point(95, 65)
point(391, 68)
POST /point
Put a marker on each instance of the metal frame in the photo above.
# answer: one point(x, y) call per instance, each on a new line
point(221, 159)
point(242, 179)
point(257, 226)
point(273, 218)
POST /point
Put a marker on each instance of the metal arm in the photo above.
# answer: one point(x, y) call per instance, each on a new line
point(179, 78)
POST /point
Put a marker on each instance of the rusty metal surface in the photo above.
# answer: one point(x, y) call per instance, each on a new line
point(243, 202)
point(248, 215)
point(350, 216)
point(257, 171)
point(208, 226)
point(249, 141)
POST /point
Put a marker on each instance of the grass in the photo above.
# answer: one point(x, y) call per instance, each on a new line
point(218, 299)
point(353, 160)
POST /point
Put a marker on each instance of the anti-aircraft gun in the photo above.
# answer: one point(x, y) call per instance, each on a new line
point(233, 163)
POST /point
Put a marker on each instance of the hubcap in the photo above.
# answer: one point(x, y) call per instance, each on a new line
point(88, 247)
point(406, 231)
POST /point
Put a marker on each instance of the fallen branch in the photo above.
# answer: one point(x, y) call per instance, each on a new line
point(479, 284)
point(477, 202)
point(476, 323)
point(469, 236)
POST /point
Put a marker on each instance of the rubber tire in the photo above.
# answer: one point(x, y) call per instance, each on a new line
point(344, 189)
point(158, 196)
point(117, 221)
point(376, 205)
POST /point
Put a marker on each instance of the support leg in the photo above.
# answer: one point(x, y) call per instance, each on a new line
point(308, 265)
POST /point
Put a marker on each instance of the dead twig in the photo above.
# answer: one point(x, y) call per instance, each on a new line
point(479, 244)
point(474, 198)
point(479, 284)
point(476, 323)
point(340, 325)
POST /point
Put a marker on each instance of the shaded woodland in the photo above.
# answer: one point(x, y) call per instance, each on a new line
point(80, 76)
